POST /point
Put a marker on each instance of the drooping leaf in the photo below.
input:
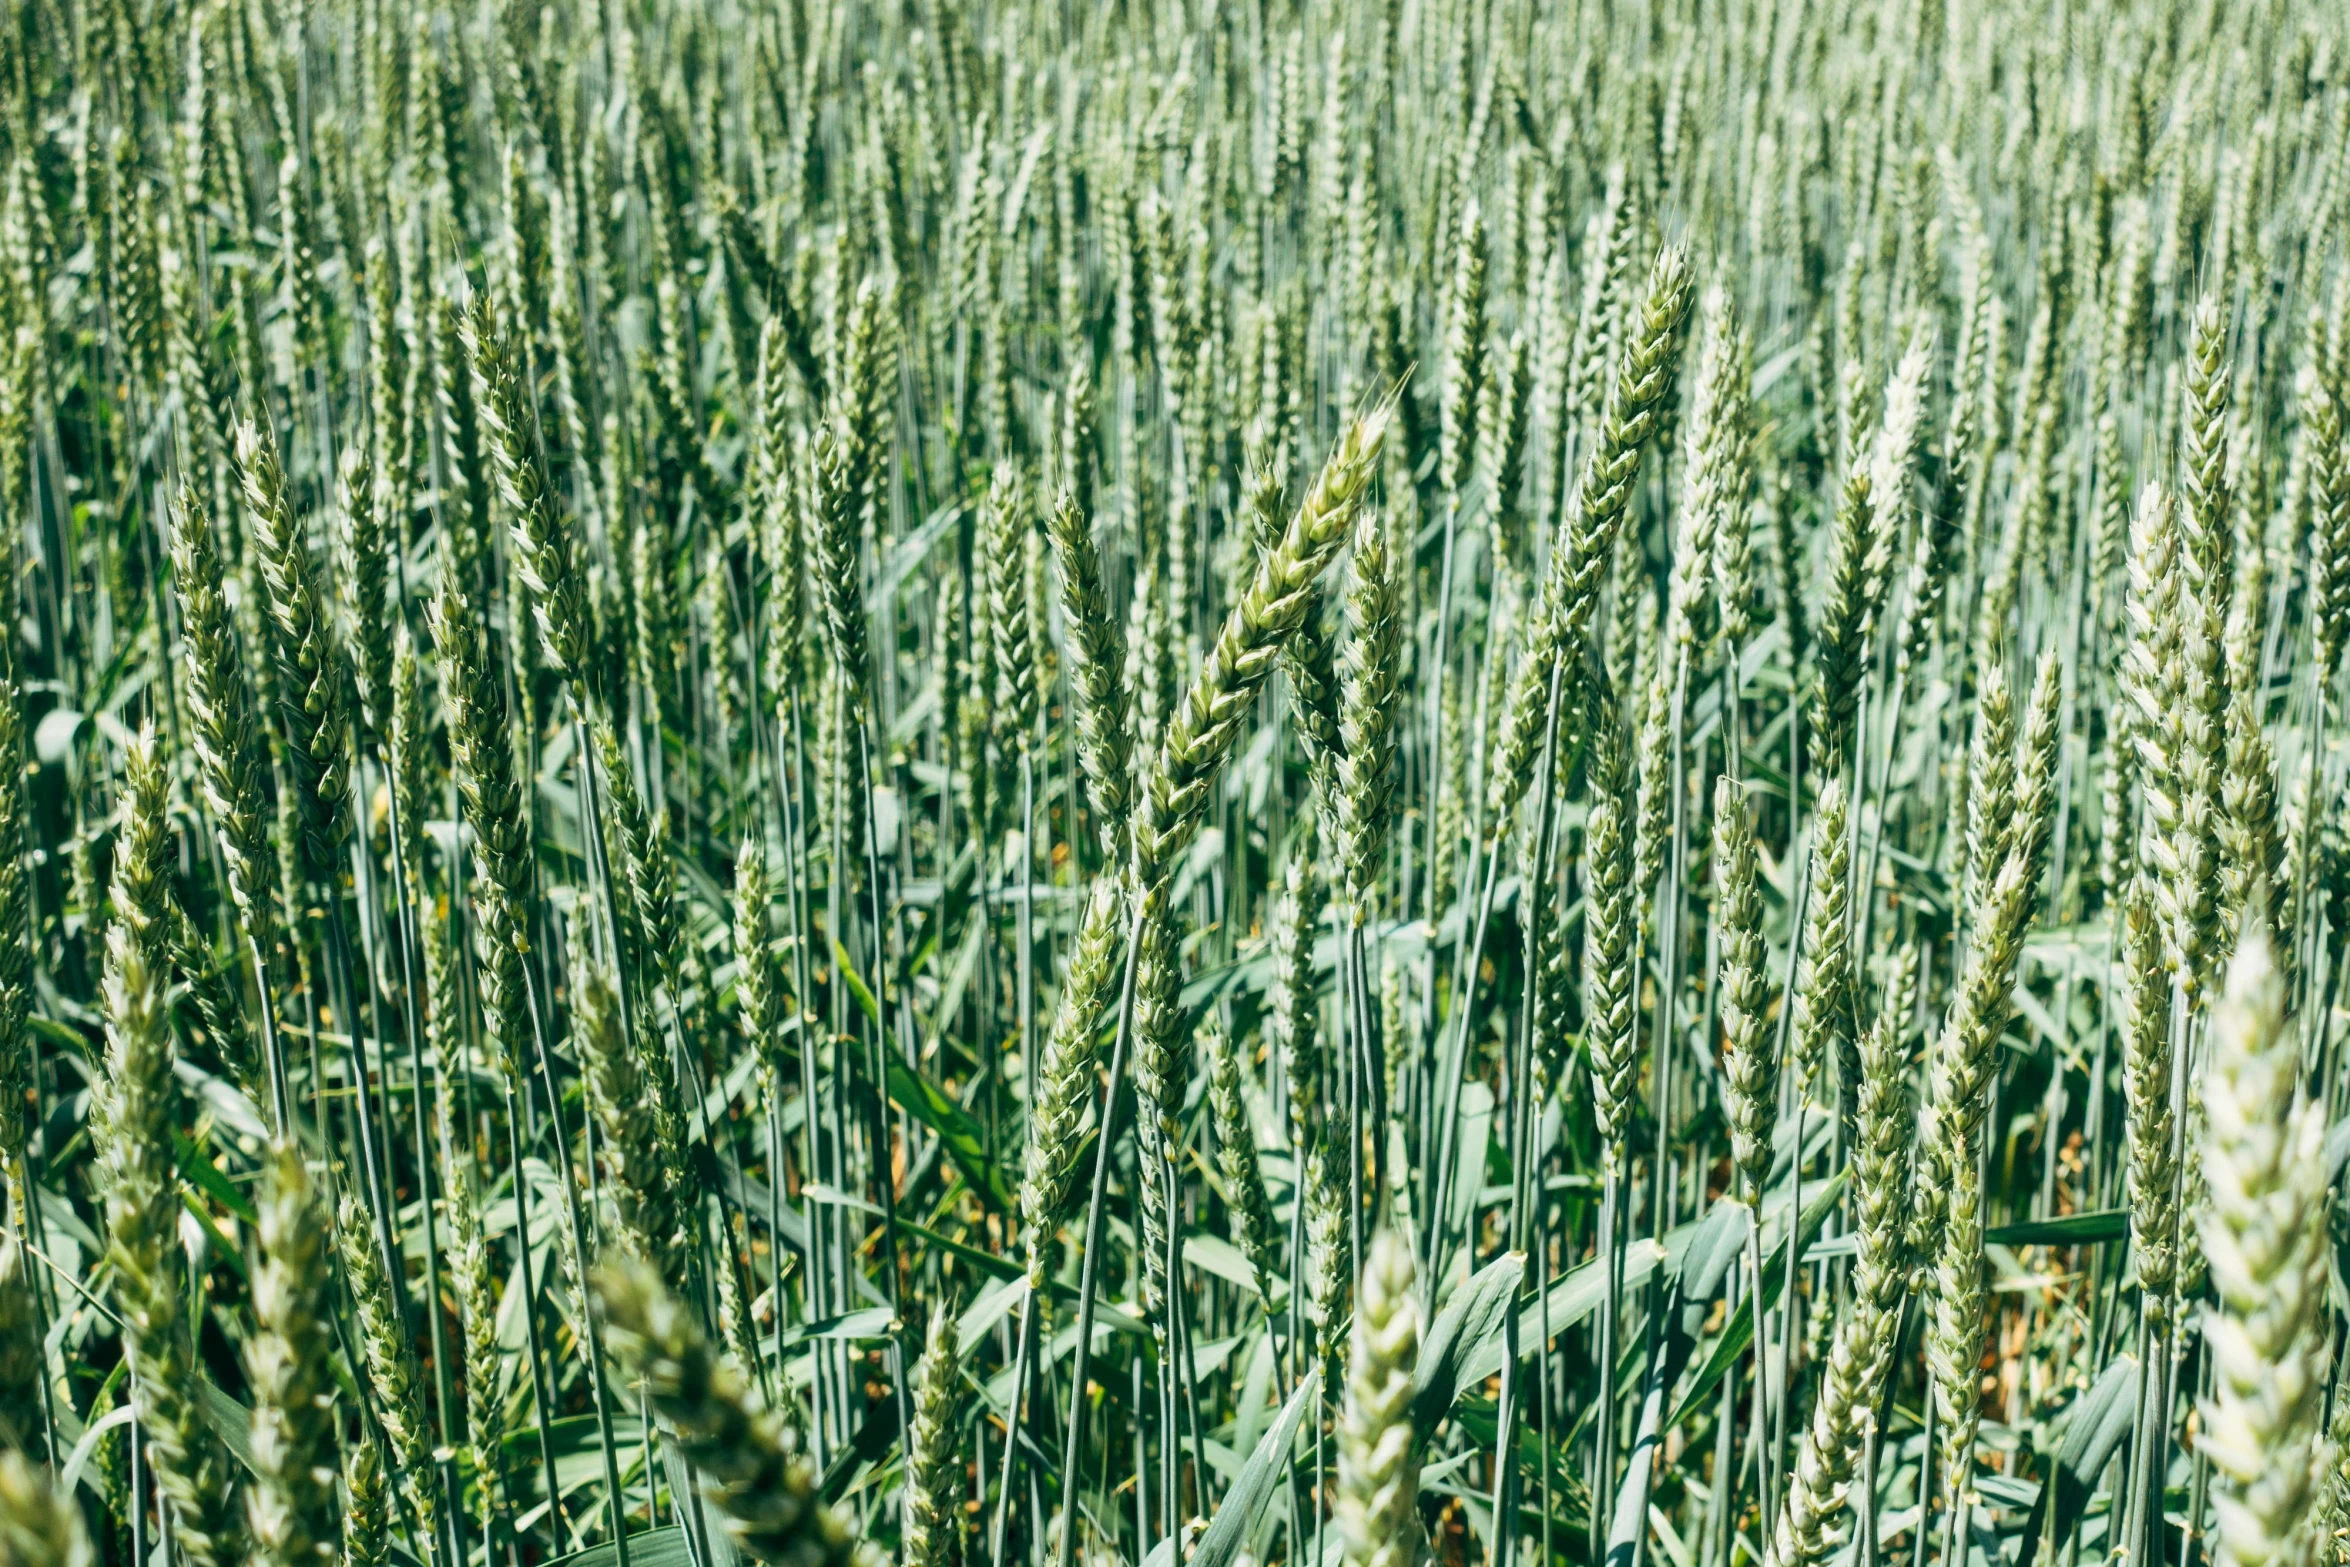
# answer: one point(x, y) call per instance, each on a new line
point(205, 1176)
point(2074, 1229)
point(856, 983)
point(1267, 1468)
point(964, 1139)
point(1738, 1332)
point(663, 1547)
point(2094, 1431)
point(1464, 1336)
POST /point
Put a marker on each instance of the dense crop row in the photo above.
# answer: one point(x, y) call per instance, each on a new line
point(1190, 783)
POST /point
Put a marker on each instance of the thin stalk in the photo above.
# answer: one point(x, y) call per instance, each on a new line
point(443, 1394)
point(371, 1155)
point(1519, 1085)
point(1090, 1270)
point(2308, 910)
point(1455, 1059)
point(1020, 1389)
point(579, 1240)
point(1441, 671)
point(556, 1522)
point(1026, 976)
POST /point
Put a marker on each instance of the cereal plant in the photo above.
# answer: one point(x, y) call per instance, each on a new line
point(1454, 783)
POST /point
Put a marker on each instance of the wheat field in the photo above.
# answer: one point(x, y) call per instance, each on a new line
point(1174, 783)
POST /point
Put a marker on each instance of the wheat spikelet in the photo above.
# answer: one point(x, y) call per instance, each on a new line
point(1865, 1332)
point(1842, 633)
point(839, 547)
point(1570, 590)
point(1370, 677)
point(1162, 1078)
point(224, 728)
point(758, 978)
point(543, 546)
point(1201, 731)
point(141, 890)
point(1236, 1158)
point(22, 1419)
point(1292, 1008)
point(2032, 812)
point(292, 1506)
point(2264, 1235)
point(1095, 655)
point(365, 551)
point(1377, 1510)
point(2203, 454)
point(393, 1372)
point(1692, 596)
point(2328, 491)
point(648, 879)
point(477, 1312)
point(1721, 443)
point(2252, 839)
point(1612, 926)
point(934, 1467)
point(136, 1125)
point(1963, 1056)
point(37, 1527)
point(1007, 532)
point(755, 1478)
point(1465, 355)
point(628, 1110)
point(311, 675)
point(1326, 1260)
point(1066, 1088)
point(1823, 1018)
point(15, 941)
point(1749, 1067)
point(367, 1529)
point(483, 756)
point(1954, 1337)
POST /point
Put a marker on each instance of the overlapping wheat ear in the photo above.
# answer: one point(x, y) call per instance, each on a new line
point(482, 751)
point(1377, 1505)
point(934, 1460)
point(393, 1372)
point(224, 729)
point(753, 1474)
point(1096, 655)
point(544, 549)
point(1643, 374)
point(312, 674)
point(1048, 1181)
point(136, 1130)
point(2263, 1228)
point(38, 1528)
point(294, 1512)
point(1207, 720)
